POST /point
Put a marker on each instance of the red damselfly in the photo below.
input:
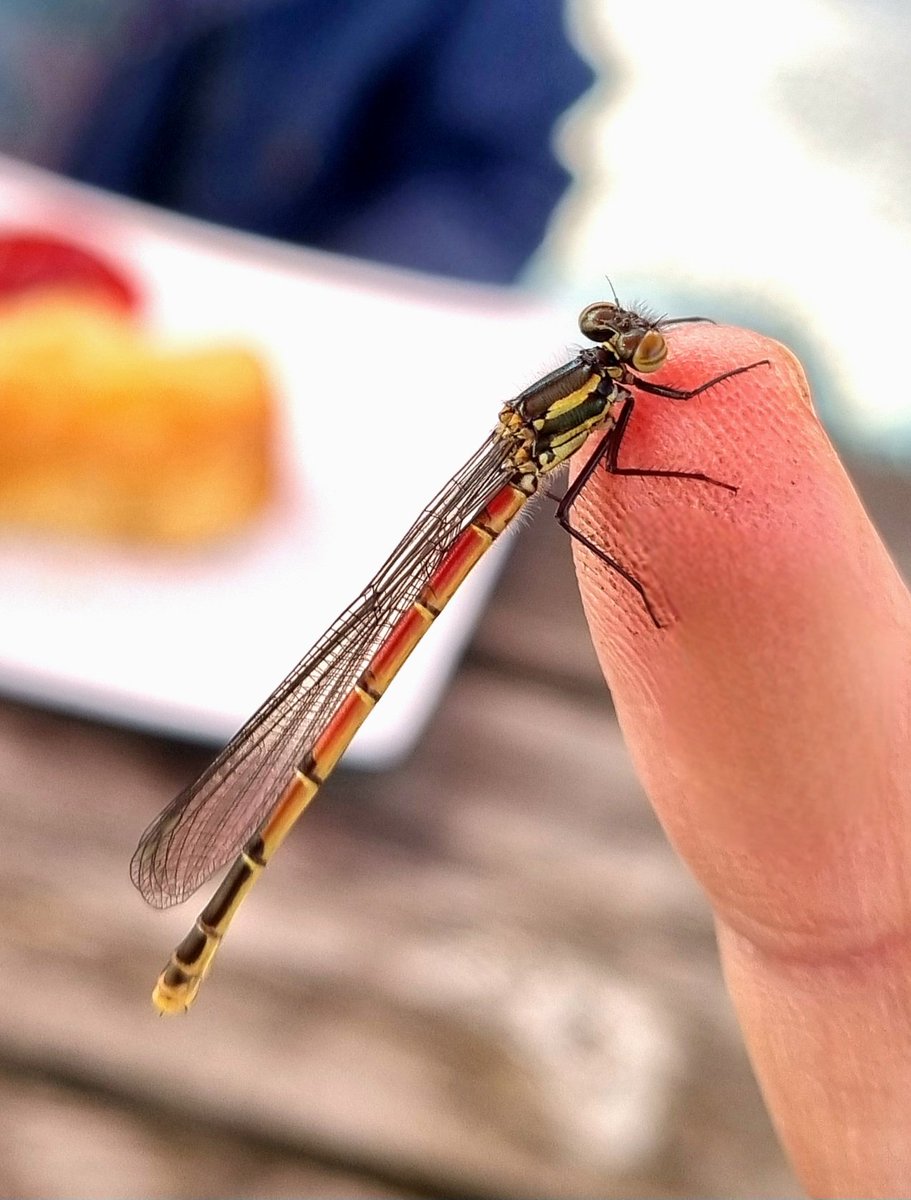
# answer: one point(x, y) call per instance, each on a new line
point(242, 807)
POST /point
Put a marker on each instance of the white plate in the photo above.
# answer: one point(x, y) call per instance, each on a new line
point(387, 380)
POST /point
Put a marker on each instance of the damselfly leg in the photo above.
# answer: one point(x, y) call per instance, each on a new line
point(607, 453)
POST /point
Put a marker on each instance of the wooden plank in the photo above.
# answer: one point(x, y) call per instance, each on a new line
point(59, 1140)
point(483, 973)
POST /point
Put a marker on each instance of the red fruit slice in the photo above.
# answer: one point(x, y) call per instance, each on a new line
point(31, 260)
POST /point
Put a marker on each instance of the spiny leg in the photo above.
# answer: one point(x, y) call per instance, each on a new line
point(672, 393)
point(605, 448)
point(608, 450)
point(614, 566)
point(657, 389)
point(613, 467)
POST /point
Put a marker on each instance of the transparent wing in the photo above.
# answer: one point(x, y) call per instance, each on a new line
point(205, 827)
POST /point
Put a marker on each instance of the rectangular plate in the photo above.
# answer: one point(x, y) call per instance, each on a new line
point(387, 381)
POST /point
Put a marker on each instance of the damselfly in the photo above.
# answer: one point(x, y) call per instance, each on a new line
point(243, 806)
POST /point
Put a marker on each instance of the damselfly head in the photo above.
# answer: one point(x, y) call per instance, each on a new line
point(634, 338)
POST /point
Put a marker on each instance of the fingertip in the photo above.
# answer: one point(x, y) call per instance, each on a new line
point(743, 710)
point(770, 720)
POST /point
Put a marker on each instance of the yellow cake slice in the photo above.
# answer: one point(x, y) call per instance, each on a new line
point(102, 432)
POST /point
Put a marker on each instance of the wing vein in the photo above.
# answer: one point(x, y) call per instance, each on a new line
point(204, 827)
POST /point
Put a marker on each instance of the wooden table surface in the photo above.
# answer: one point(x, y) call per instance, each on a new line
point(481, 974)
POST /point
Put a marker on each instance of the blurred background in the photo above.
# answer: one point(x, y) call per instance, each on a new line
point(268, 268)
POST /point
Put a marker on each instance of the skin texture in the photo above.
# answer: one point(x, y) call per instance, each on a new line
point(770, 722)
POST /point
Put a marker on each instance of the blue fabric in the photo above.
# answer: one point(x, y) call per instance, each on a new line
point(415, 132)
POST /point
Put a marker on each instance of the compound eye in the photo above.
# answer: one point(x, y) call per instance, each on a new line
point(651, 352)
point(598, 321)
